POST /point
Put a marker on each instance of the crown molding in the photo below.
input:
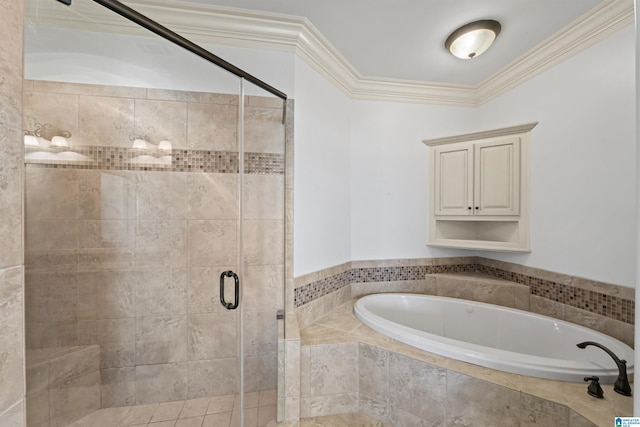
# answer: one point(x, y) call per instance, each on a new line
point(594, 26)
point(408, 91)
point(240, 27)
point(261, 30)
point(320, 54)
point(252, 29)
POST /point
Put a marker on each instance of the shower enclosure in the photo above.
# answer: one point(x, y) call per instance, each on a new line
point(154, 207)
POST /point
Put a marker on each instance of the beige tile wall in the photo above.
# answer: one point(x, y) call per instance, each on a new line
point(131, 259)
point(63, 385)
point(402, 390)
point(601, 306)
point(11, 252)
point(399, 385)
point(289, 371)
point(346, 367)
point(288, 230)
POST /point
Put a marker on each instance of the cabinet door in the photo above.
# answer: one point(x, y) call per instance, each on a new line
point(497, 177)
point(453, 179)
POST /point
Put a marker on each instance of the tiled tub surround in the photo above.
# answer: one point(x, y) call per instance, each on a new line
point(289, 370)
point(604, 307)
point(347, 367)
point(63, 384)
point(127, 255)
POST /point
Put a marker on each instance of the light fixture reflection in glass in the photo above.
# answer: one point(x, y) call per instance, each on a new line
point(473, 39)
point(31, 141)
point(164, 146)
point(59, 142)
point(139, 144)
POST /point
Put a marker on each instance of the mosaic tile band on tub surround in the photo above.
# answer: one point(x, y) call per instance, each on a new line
point(595, 302)
point(119, 158)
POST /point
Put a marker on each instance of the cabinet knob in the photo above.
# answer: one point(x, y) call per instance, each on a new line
point(469, 208)
point(477, 208)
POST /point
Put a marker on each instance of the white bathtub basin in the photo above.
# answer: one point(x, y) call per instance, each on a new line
point(496, 337)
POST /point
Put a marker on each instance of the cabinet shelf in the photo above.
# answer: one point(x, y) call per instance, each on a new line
point(500, 235)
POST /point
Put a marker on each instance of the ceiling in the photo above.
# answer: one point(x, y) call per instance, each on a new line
point(379, 49)
point(404, 39)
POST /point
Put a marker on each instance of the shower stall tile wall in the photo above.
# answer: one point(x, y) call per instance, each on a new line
point(11, 259)
point(125, 245)
point(63, 384)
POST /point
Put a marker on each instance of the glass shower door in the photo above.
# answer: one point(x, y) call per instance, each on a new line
point(262, 254)
point(150, 173)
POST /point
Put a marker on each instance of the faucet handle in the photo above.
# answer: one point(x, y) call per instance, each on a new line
point(594, 388)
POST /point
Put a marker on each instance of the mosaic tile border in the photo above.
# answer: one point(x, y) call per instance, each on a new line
point(317, 289)
point(309, 292)
point(121, 158)
point(609, 306)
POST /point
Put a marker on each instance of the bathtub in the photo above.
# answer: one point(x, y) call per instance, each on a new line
point(496, 337)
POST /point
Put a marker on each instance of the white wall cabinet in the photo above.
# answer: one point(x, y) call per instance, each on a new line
point(478, 178)
point(479, 190)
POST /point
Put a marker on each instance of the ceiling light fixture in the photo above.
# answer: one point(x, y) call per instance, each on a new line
point(473, 39)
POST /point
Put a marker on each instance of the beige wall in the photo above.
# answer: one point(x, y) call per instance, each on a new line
point(11, 258)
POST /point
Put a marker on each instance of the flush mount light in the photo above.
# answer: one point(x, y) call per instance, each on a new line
point(473, 39)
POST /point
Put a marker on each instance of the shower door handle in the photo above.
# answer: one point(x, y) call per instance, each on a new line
point(236, 280)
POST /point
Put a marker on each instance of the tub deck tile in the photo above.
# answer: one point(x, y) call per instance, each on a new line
point(318, 335)
point(338, 327)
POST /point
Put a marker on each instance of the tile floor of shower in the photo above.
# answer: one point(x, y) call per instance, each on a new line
point(218, 411)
